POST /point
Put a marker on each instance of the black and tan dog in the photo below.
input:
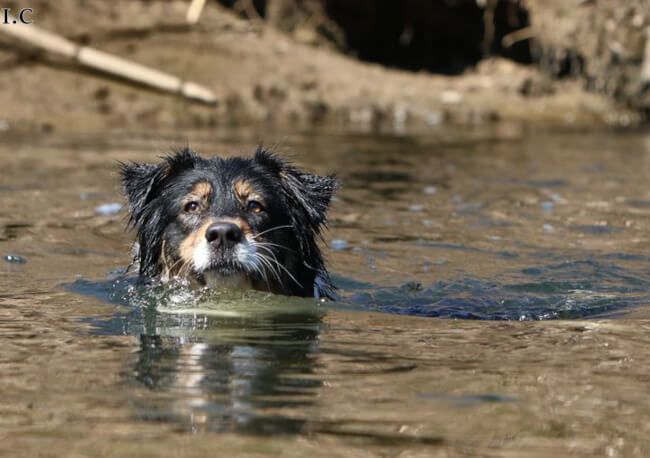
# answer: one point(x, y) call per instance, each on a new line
point(235, 222)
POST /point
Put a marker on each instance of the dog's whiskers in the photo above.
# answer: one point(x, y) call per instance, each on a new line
point(170, 268)
point(268, 263)
point(270, 244)
point(277, 263)
point(264, 261)
point(261, 272)
point(285, 226)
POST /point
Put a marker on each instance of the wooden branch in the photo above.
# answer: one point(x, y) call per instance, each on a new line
point(489, 26)
point(516, 36)
point(194, 11)
point(645, 69)
point(108, 63)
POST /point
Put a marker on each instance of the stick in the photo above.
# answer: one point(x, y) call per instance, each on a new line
point(109, 63)
point(518, 35)
point(194, 11)
point(488, 26)
point(645, 69)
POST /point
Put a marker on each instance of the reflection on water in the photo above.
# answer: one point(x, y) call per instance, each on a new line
point(244, 362)
point(225, 373)
point(229, 358)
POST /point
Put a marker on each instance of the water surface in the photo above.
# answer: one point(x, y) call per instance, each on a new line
point(494, 302)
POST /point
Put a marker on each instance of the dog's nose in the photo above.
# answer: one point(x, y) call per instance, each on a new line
point(224, 234)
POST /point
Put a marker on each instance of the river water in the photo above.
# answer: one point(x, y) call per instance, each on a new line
point(495, 301)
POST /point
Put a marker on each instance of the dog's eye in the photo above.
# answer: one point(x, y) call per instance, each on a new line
point(191, 207)
point(254, 206)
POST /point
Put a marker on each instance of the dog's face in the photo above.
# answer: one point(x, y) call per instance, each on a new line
point(242, 222)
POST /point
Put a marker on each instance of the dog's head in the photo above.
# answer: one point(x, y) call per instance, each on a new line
point(245, 222)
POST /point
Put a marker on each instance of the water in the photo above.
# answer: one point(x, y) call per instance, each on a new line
point(532, 247)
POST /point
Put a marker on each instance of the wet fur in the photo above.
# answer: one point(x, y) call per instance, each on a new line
point(286, 232)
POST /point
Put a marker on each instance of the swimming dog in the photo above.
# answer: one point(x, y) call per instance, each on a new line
point(243, 222)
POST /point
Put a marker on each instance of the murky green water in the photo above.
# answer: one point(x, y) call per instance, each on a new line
point(514, 233)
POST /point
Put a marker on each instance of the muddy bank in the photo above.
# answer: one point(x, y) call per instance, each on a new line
point(605, 44)
point(262, 74)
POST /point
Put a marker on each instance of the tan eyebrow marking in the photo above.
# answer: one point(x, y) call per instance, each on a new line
point(245, 191)
point(200, 191)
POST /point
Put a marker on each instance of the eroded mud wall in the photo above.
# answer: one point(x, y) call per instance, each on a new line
point(604, 43)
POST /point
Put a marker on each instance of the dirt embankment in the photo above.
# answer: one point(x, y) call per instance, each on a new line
point(286, 75)
point(605, 44)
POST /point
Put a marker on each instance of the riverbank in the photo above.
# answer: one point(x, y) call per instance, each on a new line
point(263, 75)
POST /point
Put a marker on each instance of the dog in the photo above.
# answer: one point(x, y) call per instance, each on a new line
point(240, 222)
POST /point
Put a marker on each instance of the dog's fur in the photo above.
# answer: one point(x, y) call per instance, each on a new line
point(238, 222)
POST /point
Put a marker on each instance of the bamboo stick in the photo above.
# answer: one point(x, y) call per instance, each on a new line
point(194, 11)
point(109, 63)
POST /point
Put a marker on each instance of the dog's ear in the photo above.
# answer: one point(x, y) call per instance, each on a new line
point(141, 182)
point(307, 193)
point(308, 197)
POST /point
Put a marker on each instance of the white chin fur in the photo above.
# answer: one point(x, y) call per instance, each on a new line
point(244, 252)
point(246, 255)
point(201, 256)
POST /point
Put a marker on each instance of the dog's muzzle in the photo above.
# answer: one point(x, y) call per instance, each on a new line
point(225, 257)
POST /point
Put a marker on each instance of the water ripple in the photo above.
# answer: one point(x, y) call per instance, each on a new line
point(566, 290)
